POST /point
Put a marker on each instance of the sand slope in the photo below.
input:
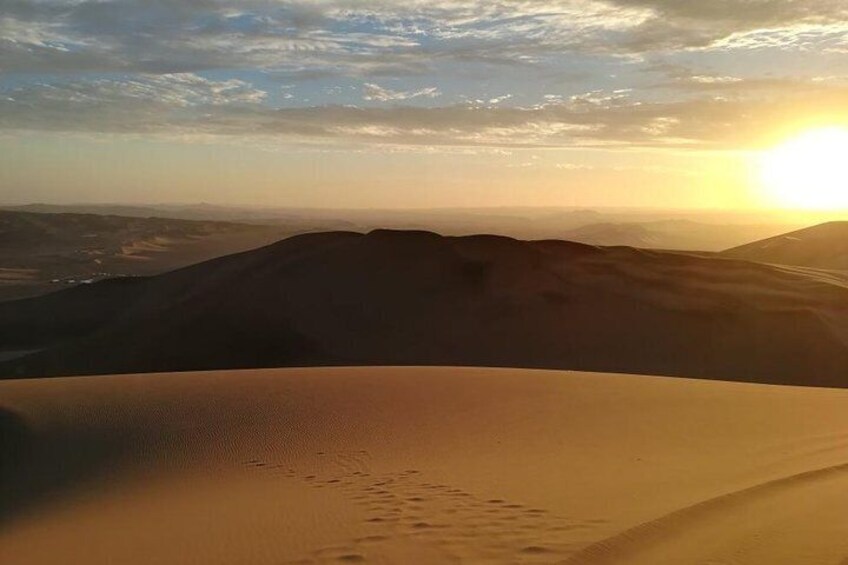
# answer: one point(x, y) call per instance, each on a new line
point(824, 246)
point(421, 465)
point(417, 298)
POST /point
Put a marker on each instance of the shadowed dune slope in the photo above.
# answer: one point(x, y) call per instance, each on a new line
point(824, 246)
point(417, 298)
point(420, 465)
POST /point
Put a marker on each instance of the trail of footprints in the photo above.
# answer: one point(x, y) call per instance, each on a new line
point(459, 524)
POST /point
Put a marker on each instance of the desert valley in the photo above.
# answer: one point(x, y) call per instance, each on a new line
point(391, 461)
point(495, 282)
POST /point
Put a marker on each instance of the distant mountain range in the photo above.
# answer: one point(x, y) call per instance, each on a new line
point(417, 298)
point(707, 231)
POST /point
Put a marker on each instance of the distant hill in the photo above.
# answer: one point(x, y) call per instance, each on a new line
point(42, 252)
point(608, 233)
point(661, 229)
point(824, 246)
point(676, 234)
point(417, 298)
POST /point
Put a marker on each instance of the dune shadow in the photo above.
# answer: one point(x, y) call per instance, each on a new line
point(14, 441)
point(39, 466)
point(16, 450)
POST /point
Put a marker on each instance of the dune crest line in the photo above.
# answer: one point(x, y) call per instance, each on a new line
point(618, 547)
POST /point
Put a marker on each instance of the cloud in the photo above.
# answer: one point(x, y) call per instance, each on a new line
point(375, 92)
point(157, 53)
point(389, 37)
point(167, 36)
point(186, 104)
point(499, 99)
point(155, 103)
point(681, 78)
point(832, 37)
point(729, 24)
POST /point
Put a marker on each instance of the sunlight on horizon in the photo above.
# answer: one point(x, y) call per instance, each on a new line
point(809, 171)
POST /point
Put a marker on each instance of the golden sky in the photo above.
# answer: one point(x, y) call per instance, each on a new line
point(336, 103)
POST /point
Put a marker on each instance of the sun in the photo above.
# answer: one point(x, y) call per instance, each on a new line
point(809, 171)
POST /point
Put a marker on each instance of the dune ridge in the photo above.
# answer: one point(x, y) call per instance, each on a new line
point(422, 465)
point(824, 246)
point(647, 542)
point(417, 298)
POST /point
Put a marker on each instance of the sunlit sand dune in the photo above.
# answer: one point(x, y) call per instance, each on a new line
point(824, 246)
point(420, 465)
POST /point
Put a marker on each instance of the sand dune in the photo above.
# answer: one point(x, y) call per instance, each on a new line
point(417, 298)
point(671, 233)
point(824, 246)
point(421, 465)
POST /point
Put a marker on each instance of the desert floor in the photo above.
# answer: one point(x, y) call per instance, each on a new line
point(421, 465)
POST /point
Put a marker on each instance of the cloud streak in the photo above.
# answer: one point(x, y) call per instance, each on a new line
point(387, 37)
point(375, 92)
point(203, 67)
point(186, 104)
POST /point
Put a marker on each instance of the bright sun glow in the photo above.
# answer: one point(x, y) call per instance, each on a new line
point(809, 171)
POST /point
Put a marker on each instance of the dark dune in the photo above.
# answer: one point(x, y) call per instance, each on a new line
point(824, 247)
point(417, 298)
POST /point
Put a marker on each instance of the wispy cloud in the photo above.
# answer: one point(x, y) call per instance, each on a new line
point(371, 91)
point(185, 104)
point(146, 66)
point(386, 36)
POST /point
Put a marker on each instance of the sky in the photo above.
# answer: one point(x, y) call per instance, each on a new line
point(383, 103)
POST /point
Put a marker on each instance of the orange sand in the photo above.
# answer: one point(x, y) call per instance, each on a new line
point(421, 465)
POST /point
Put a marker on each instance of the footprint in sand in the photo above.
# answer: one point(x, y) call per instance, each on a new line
point(449, 519)
point(403, 505)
